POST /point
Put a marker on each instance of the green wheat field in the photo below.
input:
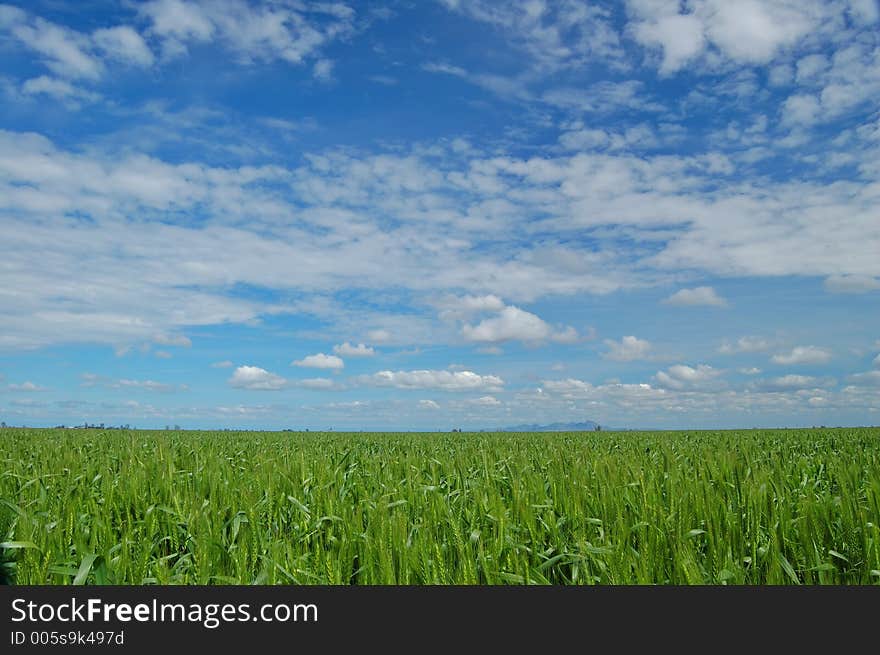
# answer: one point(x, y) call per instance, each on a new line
point(750, 507)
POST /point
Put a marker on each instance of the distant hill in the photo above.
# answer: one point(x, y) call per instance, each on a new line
point(554, 427)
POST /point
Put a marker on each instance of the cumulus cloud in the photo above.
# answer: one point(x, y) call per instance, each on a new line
point(124, 44)
point(746, 344)
point(323, 70)
point(681, 376)
point(95, 380)
point(803, 355)
point(462, 307)
point(789, 382)
point(320, 360)
point(428, 404)
point(380, 335)
point(256, 378)
point(852, 283)
point(553, 35)
point(71, 54)
point(486, 401)
point(514, 324)
point(59, 89)
point(66, 52)
point(866, 12)
point(867, 379)
point(186, 284)
point(749, 32)
point(285, 32)
point(316, 384)
point(25, 387)
point(681, 38)
point(348, 350)
point(433, 379)
point(705, 296)
point(147, 385)
point(172, 340)
point(568, 385)
point(628, 349)
point(801, 110)
point(627, 397)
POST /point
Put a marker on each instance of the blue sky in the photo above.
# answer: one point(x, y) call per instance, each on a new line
point(426, 215)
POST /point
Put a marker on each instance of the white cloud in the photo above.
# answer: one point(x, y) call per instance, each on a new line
point(320, 360)
point(866, 379)
point(637, 137)
point(379, 336)
point(803, 355)
point(603, 97)
point(852, 283)
point(224, 364)
point(323, 70)
point(809, 67)
point(864, 11)
point(801, 110)
point(428, 404)
point(555, 36)
point(254, 33)
point(752, 370)
point(628, 349)
point(57, 88)
point(443, 68)
point(754, 31)
point(745, 32)
point(398, 220)
point(317, 384)
point(26, 387)
point(432, 379)
point(680, 36)
point(172, 340)
point(746, 344)
point(789, 383)
point(146, 385)
point(486, 401)
point(515, 324)
point(850, 80)
point(458, 308)
point(698, 296)
point(348, 350)
point(565, 335)
point(584, 139)
point(178, 19)
point(569, 385)
point(123, 44)
point(877, 361)
point(93, 380)
point(253, 377)
point(681, 376)
point(629, 398)
point(65, 52)
point(384, 80)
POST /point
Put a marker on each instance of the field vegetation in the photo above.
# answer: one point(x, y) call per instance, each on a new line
point(181, 507)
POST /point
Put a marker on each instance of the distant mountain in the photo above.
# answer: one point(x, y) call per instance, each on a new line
point(553, 427)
